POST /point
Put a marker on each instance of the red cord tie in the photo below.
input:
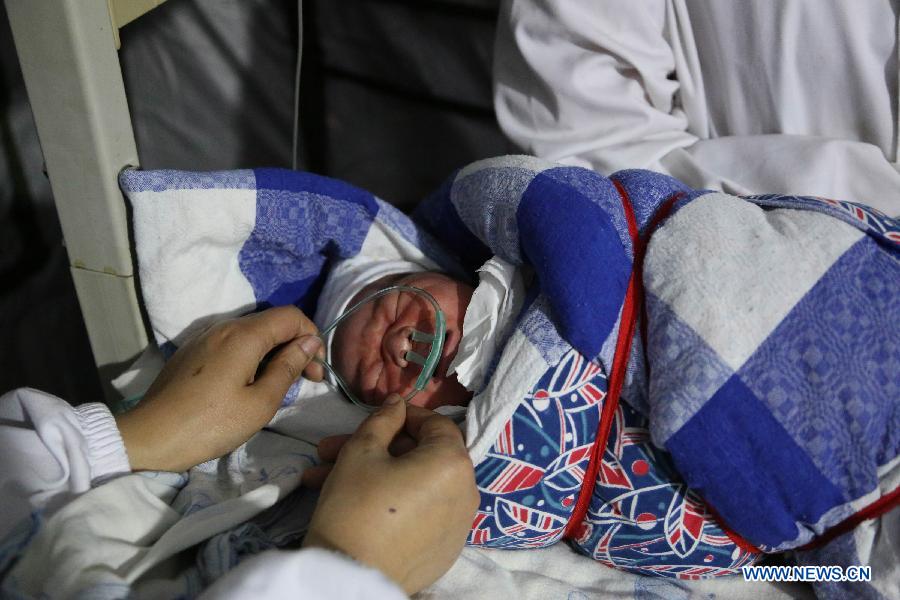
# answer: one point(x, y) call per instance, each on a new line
point(628, 324)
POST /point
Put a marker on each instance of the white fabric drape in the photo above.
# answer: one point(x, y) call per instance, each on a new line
point(793, 97)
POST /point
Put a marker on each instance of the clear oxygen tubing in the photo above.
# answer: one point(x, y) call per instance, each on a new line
point(295, 143)
point(429, 363)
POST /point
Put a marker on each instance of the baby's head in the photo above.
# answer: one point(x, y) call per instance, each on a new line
point(368, 349)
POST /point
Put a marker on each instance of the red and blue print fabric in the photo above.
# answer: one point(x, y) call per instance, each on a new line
point(641, 518)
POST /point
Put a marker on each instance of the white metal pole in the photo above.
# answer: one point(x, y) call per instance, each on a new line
point(67, 50)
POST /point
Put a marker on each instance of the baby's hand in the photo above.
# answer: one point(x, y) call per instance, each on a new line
point(208, 399)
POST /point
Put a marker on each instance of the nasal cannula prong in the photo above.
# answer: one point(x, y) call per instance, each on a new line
point(415, 357)
point(419, 336)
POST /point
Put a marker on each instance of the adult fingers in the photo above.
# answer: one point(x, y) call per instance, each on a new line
point(380, 428)
point(402, 444)
point(314, 370)
point(314, 477)
point(264, 330)
point(330, 447)
point(427, 427)
point(286, 366)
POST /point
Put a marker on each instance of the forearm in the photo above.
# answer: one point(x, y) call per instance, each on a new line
point(53, 451)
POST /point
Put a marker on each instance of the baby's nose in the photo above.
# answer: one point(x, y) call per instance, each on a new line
point(397, 344)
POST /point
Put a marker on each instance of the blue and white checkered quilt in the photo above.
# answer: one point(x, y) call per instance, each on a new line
point(770, 377)
point(772, 370)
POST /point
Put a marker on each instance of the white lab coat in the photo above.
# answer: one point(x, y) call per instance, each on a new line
point(794, 97)
point(53, 452)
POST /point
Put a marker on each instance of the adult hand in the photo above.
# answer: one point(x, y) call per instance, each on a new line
point(208, 399)
point(406, 515)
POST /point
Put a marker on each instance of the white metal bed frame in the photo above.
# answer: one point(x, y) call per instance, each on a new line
point(68, 53)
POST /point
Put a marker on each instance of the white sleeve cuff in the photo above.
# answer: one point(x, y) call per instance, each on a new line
point(106, 450)
point(310, 573)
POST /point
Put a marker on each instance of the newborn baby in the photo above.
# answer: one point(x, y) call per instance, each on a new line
point(369, 348)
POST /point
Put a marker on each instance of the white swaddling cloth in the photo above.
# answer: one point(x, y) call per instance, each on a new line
point(489, 317)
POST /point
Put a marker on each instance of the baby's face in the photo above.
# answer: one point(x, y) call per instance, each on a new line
point(369, 347)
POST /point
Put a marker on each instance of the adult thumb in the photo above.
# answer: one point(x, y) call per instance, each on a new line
point(286, 366)
point(382, 426)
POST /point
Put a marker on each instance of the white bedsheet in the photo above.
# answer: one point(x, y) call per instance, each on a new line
point(557, 572)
